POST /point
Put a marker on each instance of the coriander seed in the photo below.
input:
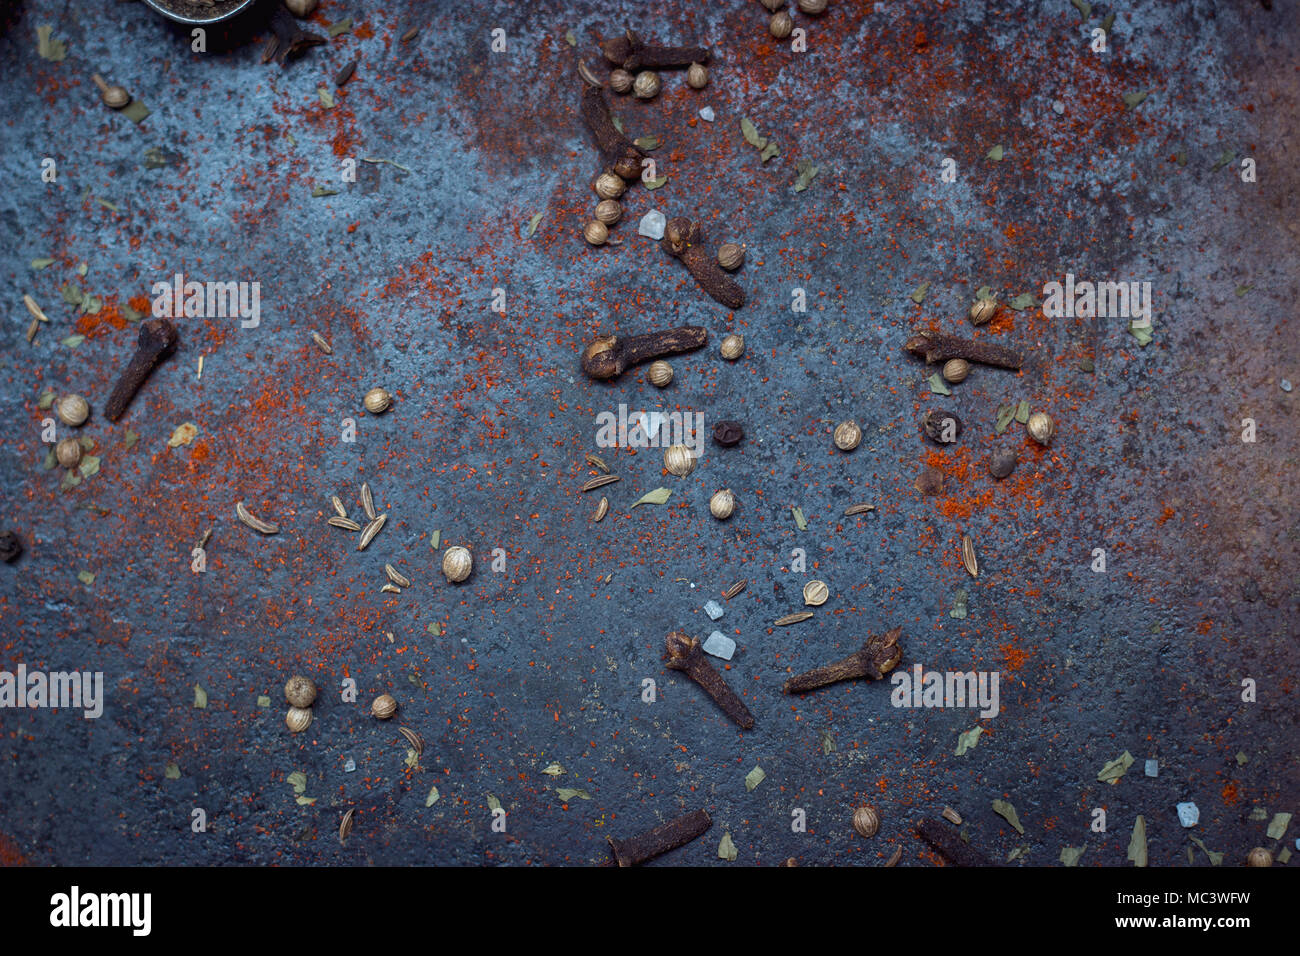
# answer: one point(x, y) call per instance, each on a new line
point(733, 347)
point(678, 460)
point(722, 504)
point(815, 593)
point(383, 707)
point(377, 401)
point(68, 452)
point(781, 25)
point(609, 185)
point(609, 211)
point(847, 436)
point(596, 232)
point(730, 256)
point(982, 311)
point(956, 370)
point(697, 77)
point(812, 7)
point(300, 691)
point(660, 373)
point(620, 81)
point(457, 563)
point(297, 719)
point(73, 410)
point(866, 820)
point(646, 86)
point(1041, 428)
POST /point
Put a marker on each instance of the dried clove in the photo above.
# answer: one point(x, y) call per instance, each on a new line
point(631, 53)
point(620, 153)
point(684, 240)
point(940, 348)
point(667, 836)
point(158, 338)
point(290, 39)
point(683, 654)
point(609, 356)
point(949, 845)
point(879, 655)
point(11, 547)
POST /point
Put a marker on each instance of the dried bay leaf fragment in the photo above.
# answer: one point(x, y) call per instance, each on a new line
point(1116, 768)
point(1005, 810)
point(754, 778)
point(967, 740)
point(1137, 844)
point(566, 794)
point(727, 849)
point(657, 497)
point(200, 697)
point(1070, 854)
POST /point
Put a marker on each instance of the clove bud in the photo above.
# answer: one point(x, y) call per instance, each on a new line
point(158, 338)
point(620, 153)
point(667, 836)
point(630, 53)
point(684, 240)
point(878, 656)
point(683, 653)
point(609, 356)
point(940, 348)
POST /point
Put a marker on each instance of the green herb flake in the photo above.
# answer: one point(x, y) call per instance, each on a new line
point(1225, 157)
point(1242, 759)
point(433, 797)
point(984, 292)
point(1016, 854)
point(70, 481)
point(297, 780)
point(263, 701)
point(89, 466)
point(769, 151)
point(966, 741)
point(657, 497)
point(130, 314)
point(754, 778)
point(135, 111)
point(553, 770)
point(1215, 858)
point(91, 305)
point(131, 438)
point(827, 740)
point(1005, 810)
point(959, 608)
point(320, 191)
point(71, 294)
point(326, 97)
point(305, 801)
point(154, 158)
point(532, 225)
point(750, 132)
point(46, 400)
point(435, 538)
point(727, 849)
point(1258, 814)
point(1180, 157)
point(1070, 854)
point(646, 142)
point(1277, 826)
point(570, 38)
point(1134, 100)
point(566, 794)
point(86, 577)
point(1022, 412)
point(996, 153)
point(1107, 23)
point(172, 771)
point(800, 521)
point(336, 29)
point(1243, 289)
point(1086, 365)
point(1085, 10)
point(937, 385)
point(1137, 844)
point(1005, 414)
point(51, 459)
point(617, 121)
point(1112, 772)
point(1023, 301)
point(493, 803)
point(39, 264)
point(1142, 333)
point(807, 173)
point(82, 269)
point(381, 161)
point(918, 296)
point(435, 629)
point(86, 442)
point(49, 47)
point(655, 183)
point(200, 697)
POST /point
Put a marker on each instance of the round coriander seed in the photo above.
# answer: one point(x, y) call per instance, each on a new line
point(730, 256)
point(847, 436)
point(68, 452)
point(646, 86)
point(678, 460)
point(660, 373)
point(457, 563)
point(609, 185)
point(383, 707)
point(956, 370)
point(773, 5)
point(812, 7)
point(620, 81)
point(301, 8)
point(1259, 857)
point(377, 400)
point(596, 232)
point(1041, 428)
point(982, 311)
point(300, 691)
point(609, 211)
point(866, 820)
point(297, 719)
point(697, 77)
point(733, 347)
point(722, 504)
point(73, 410)
point(781, 25)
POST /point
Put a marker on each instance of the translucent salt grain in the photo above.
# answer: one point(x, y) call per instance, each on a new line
point(652, 224)
point(719, 645)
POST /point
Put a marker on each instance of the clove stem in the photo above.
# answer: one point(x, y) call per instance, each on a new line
point(667, 836)
point(879, 655)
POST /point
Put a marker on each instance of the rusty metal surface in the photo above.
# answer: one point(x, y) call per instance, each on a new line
point(544, 661)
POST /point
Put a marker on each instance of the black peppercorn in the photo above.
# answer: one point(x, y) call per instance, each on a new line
point(728, 433)
point(1002, 463)
point(11, 546)
point(942, 427)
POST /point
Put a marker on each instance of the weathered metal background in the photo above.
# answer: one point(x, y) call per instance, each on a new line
point(543, 662)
